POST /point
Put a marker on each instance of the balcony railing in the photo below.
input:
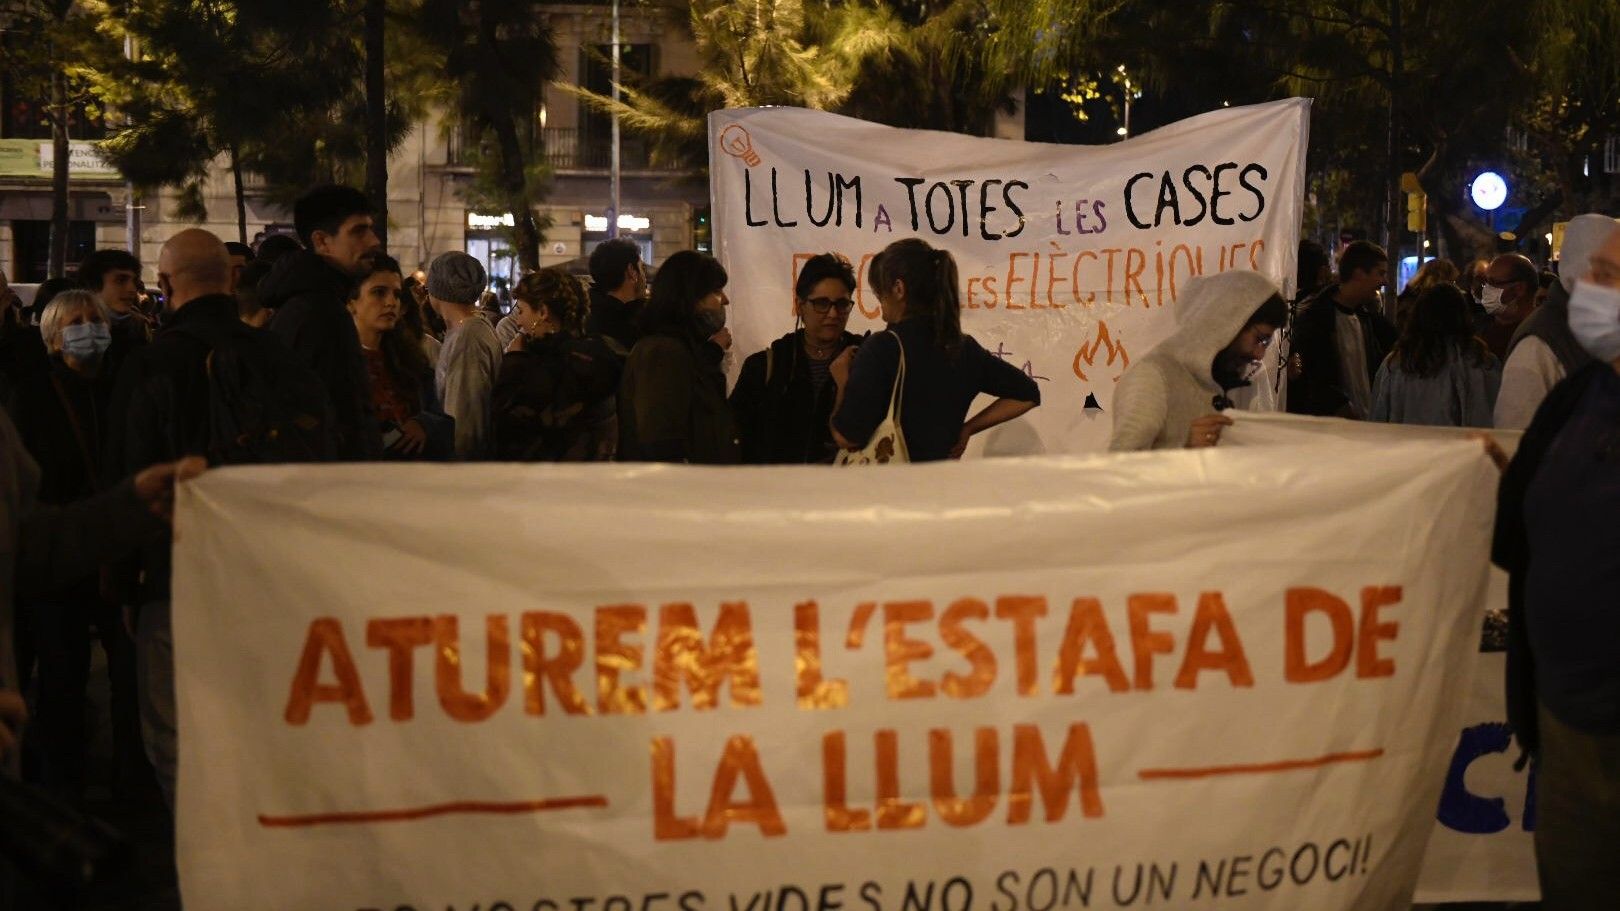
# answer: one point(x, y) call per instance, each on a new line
point(571, 149)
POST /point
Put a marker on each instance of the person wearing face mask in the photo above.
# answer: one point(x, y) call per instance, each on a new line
point(1556, 536)
point(554, 399)
point(1508, 298)
point(1172, 397)
point(1543, 350)
point(61, 417)
point(783, 398)
point(1340, 338)
point(672, 400)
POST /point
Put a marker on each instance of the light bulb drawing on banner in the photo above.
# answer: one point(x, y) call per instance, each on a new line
point(737, 143)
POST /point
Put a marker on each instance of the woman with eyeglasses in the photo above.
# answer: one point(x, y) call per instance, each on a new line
point(784, 394)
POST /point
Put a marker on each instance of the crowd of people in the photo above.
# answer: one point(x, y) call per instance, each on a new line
point(322, 348)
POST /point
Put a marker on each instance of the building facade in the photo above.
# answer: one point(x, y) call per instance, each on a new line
point(662, 208)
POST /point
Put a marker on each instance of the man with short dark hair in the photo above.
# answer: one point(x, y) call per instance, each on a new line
point(309, 290)
point(1509, 297)
point(115, 275)
point(1340, 338)
point(618, 289)
point(241, 254)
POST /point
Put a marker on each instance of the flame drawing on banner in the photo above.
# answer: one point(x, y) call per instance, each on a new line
point(1103, 341)
point(738, 144)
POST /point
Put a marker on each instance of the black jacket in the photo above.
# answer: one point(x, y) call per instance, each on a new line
point(311, 298)
point(62, 419)
point(672, 403)
point(161, 403)
point(1511, 547)
point(614, 319)
point(1319, 389)
point(781, 418)
point(554, 401)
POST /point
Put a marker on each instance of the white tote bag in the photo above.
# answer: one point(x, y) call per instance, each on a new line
point(887, 444)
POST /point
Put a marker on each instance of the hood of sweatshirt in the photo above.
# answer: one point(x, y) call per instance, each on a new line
point(1210, 312)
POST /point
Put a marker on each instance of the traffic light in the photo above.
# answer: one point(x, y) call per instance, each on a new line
point(1417, 210)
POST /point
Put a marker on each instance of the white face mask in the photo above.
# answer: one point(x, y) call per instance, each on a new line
point(1491, 299)
point(1594, 318)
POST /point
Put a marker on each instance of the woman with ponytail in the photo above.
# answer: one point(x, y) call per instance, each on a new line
point(917, 288)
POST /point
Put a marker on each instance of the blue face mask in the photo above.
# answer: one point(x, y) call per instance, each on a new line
point(86, 342)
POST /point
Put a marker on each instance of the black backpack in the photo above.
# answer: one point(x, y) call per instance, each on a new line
point(262, 409)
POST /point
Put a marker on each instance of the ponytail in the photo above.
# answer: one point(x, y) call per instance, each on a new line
point(931, 281)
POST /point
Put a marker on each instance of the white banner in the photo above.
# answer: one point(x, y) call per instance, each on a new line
point(1071, 257)
point(1481, 848)
point(1179, 679)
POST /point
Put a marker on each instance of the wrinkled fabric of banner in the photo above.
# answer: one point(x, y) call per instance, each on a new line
point(1482, 848)
point(1071, 258)
point(1221, 678)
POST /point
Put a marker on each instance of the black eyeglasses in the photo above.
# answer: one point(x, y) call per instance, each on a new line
point(823, 304)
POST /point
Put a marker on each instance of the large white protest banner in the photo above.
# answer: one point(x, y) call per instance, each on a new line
point(1184, 679)
point(1481, 848)
point(1071, 257)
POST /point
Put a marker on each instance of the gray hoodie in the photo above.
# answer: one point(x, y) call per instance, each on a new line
point(1161, 394)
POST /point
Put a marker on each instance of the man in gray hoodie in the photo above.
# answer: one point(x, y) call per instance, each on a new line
point(1172, 397)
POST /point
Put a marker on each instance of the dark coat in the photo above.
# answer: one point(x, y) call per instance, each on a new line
point(1511, 547)
point(161, 404)
point(672, 403)
point(62, 419)
point(311, 300)
point(554, 401)
point(611, 318)
point(781, 418)
point(1319, 389)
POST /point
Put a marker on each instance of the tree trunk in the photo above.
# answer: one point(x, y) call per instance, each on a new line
point(525, 230)
point(241, 196)
point(376, 119)
point(59, 175)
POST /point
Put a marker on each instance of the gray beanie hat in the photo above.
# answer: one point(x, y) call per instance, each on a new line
point(455, 278)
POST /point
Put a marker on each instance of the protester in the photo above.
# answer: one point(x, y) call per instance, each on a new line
point(1543, 350)
point(170, 403)
point(1509, 297)
point(1473, 278)
point(310, 289)
point(241, 256)
point(555, 398)
point(45, 547)
point(275, 246)
point(1314, 271)
point(784, 395)
point(249, 299)
point(471, 355)
point(22, 351)
point(944, 370)
point(1432, 273)
point(618, 290)
point(672, 400)
point(1556, 537)
point(60, 415)
point(403, 392)
point(1340, 338)
point(1438, 373)
point(420, 317)
point(1172, 397)
point(115, 276)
